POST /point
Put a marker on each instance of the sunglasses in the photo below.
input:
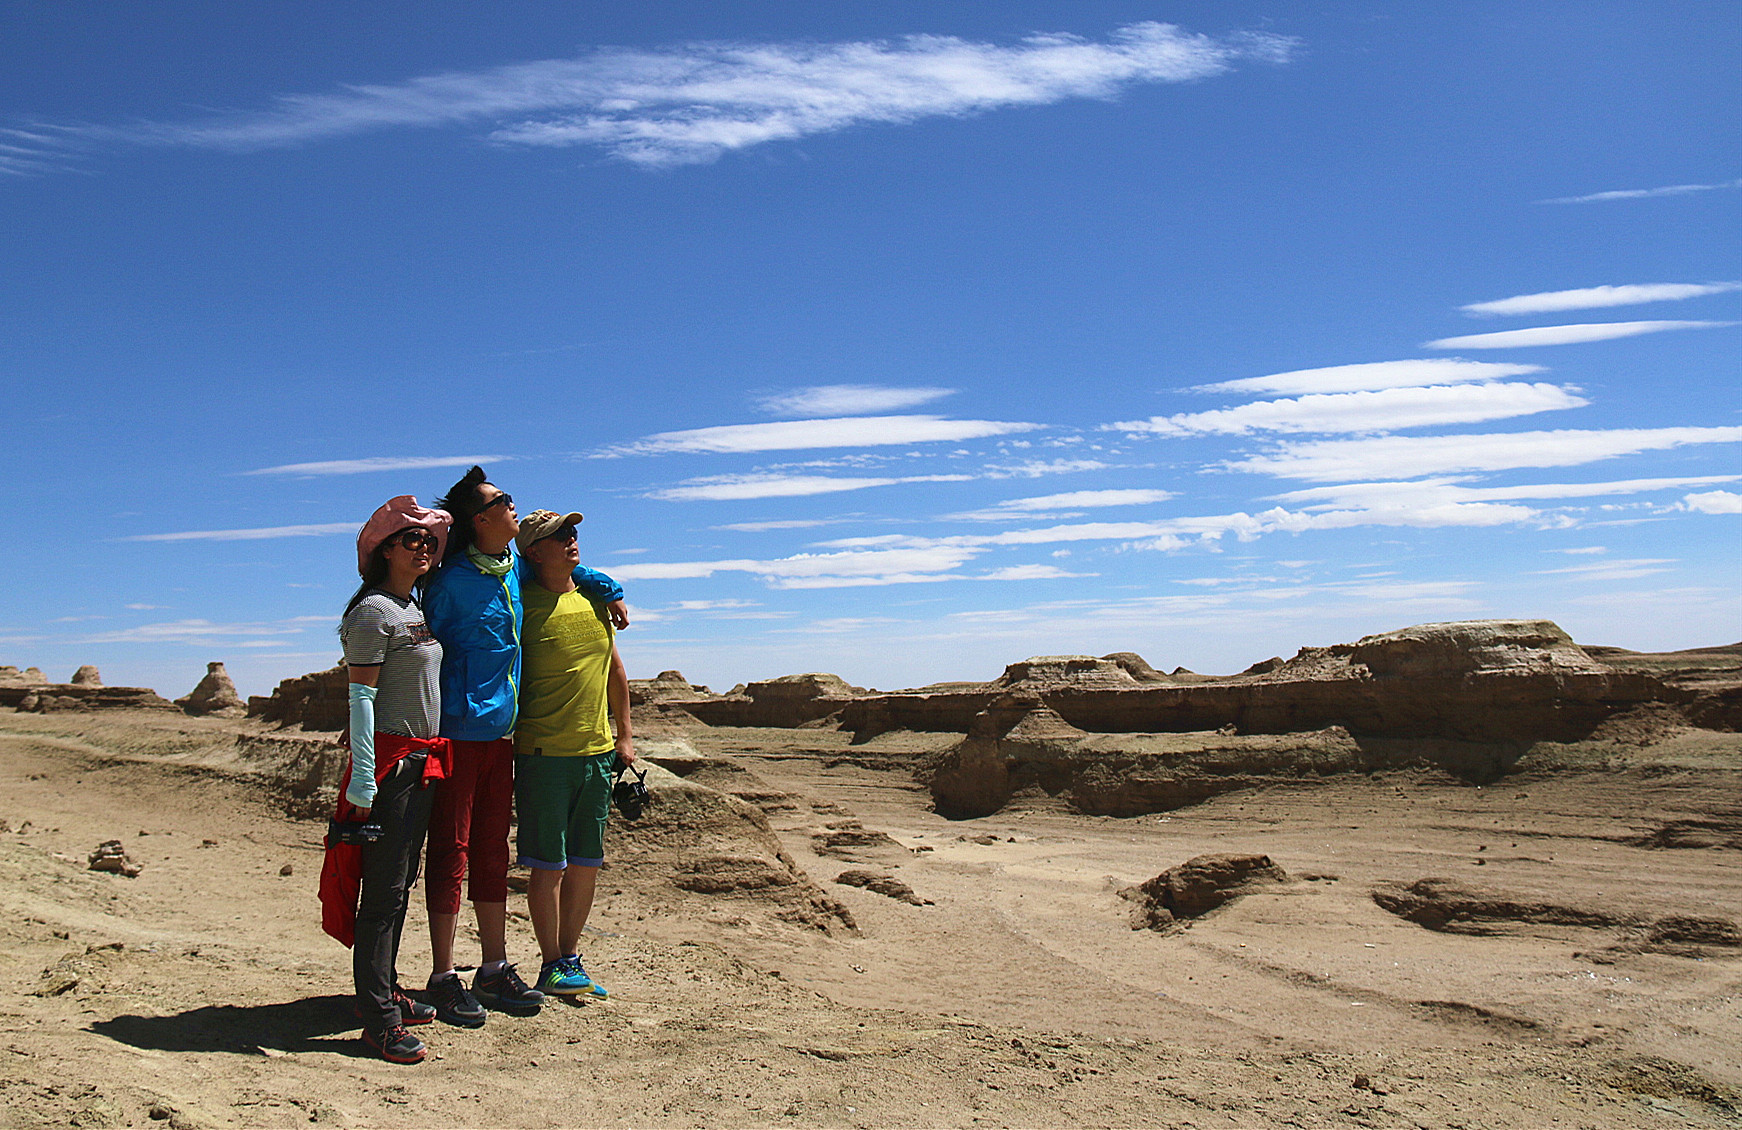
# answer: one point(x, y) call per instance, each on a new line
point(503, 499)
point(416, 540)
point(567, 533)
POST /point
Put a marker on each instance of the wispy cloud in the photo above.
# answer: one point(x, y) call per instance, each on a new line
point(1612, 570)
point(1642, 193)
point(877, 566)
point(848, 400)
point(1375, 375)
point(780, 524)
point(378, 463)
point(204, 632)
point(252, 535)
point(1439, 491)
point(1564, 335)
point(1027, 508)
point(1591, 297)
point(1398, 457)
point(796, 435)
point(1384, 410)
point(1714, 502)
point(693, 102)
point(741, 487)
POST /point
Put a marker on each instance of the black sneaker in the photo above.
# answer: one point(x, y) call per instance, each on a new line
point(395, 1044)
point(453, 1004)
point(504, 991)
point(411, 1013)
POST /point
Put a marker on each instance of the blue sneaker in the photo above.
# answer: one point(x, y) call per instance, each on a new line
point(565, 977)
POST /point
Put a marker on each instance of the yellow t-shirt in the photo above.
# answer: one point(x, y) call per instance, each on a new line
point(565, 667)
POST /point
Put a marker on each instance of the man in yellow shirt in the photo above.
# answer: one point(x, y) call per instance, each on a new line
point(572, 685)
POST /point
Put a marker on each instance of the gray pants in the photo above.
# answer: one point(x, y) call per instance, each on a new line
point(402, 805)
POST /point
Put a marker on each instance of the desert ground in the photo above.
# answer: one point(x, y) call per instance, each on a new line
point(1584, 979)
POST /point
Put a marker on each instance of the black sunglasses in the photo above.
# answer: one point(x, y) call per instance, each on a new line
point(415, 540)
point(503, 499)
point(567, 533)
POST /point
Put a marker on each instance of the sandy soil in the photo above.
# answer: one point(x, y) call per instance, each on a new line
point(202, 993)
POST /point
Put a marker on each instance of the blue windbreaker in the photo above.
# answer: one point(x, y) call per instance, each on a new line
point(477, 618)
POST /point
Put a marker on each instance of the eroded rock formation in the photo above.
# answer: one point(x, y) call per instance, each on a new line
point(214, 694)
point(789, 701)
point(317, 701)
point(87, 676)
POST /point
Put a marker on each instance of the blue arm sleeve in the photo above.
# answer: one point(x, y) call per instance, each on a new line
point(361, 791)
point(596, 586)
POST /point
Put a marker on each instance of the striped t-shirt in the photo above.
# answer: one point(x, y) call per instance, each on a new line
point(389, 632)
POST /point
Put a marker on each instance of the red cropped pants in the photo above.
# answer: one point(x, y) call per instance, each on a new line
point(468, 827)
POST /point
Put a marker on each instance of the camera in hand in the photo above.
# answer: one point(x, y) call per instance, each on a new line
point(630, 795)
point(353, 832)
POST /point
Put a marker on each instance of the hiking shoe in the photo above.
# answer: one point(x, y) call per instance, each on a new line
point(395, 1044)
point(453, 1004)
point(411, 1012)
point(504, 991)
point(566, 977)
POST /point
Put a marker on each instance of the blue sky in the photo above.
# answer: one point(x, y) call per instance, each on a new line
point(898, 340)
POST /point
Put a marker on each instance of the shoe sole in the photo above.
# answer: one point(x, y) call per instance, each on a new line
point(591, 992)
point(459, 1021)
point(497, 1004)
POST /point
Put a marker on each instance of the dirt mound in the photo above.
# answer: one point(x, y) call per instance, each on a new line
point(694, 840)
point(887, 885)
point(1450, 907)
point(1198, 886)
point(855, 843)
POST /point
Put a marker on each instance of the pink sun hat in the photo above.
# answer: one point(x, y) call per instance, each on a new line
point(398, 514)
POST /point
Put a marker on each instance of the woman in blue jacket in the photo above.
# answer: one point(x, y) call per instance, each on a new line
point(473, 608)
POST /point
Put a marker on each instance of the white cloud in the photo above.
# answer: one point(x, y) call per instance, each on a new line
point(1028, 573)
point(1616, 570)
point(147, 607)
point(795, 435)
point(1037, 468)
point(379, 463)
point(780, 524)
point(1375, 375)
point(741, 487)
point(691, 103)
point(1642, 193)
point(252, 535)
point(1069, 500)
point(848, 400)
point(1564, 335)
point(1438, 491)
point(1396, 457)
point(1590, 297)
point(1714, 502)
point(880, 566)
point(1384, 410)
point(203, 632)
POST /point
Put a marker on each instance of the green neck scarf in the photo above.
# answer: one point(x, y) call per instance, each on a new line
point(490, 566)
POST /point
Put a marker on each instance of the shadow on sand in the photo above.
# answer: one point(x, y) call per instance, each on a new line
point(322, 1023)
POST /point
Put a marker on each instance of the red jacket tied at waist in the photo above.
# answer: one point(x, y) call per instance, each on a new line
point(342, 870)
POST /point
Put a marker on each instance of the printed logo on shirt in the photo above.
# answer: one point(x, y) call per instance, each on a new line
point(420, 634)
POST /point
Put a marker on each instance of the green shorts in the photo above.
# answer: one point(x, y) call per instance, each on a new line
point(562, 803)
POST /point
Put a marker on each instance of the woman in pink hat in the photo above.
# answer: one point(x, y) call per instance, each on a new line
point(395, 670)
